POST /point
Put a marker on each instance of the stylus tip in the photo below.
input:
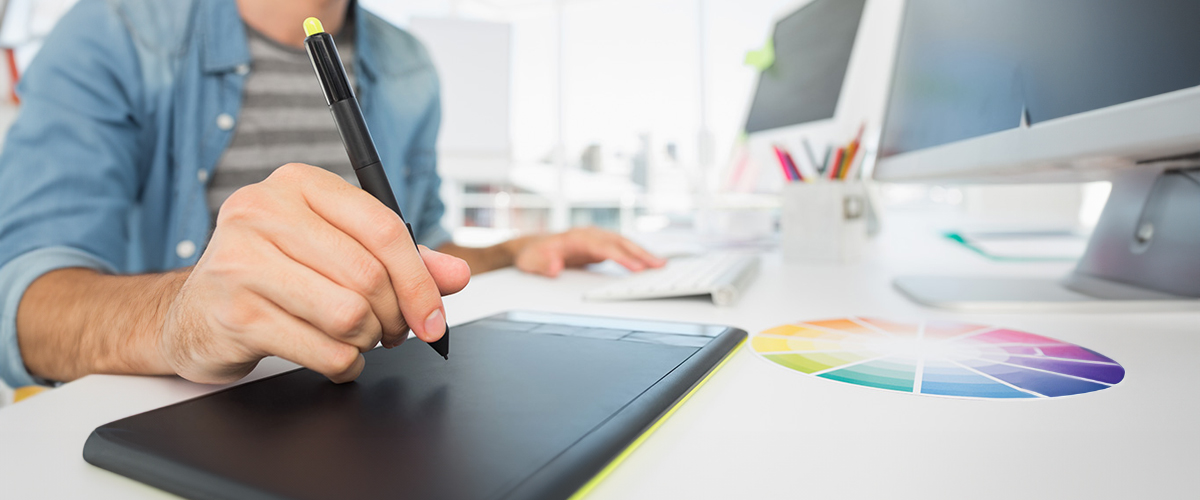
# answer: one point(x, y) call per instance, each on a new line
point(442, 345)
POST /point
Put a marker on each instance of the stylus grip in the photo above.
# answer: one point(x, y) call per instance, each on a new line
point(355, 136)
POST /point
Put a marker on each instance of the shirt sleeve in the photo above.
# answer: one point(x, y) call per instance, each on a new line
point(69, 171)
point(16, 277)
point(422, 159)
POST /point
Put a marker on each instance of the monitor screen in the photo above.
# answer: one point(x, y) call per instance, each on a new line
point(812, 51)
point(968, 68)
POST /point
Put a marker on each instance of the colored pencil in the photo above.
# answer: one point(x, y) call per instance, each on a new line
point(836, 163)
point(792, 163)
point(783, 164)
point(851, 152)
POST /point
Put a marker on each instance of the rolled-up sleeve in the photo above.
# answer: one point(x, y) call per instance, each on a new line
point(69, 171)
point(15, 278)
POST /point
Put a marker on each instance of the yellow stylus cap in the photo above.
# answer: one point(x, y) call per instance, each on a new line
point(313, 26)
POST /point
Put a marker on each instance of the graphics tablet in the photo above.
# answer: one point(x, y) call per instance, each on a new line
point(529, 405)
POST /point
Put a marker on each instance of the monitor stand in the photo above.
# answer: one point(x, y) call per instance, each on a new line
point(1143, 256)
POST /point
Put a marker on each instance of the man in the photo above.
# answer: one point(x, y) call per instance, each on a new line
point(151, 127)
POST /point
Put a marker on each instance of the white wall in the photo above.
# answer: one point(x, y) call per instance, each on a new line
point(473, 60)
point(630, 67)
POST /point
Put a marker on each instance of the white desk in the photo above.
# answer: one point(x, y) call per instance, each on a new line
point(758, 431)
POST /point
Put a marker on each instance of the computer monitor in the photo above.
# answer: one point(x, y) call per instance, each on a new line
point(812, 47)
point(828, 78)
point(1067, 90)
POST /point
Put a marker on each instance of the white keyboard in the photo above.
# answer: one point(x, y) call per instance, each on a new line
point(724, 276)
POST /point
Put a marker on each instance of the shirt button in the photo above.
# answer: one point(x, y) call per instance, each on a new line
point(202, 176)
point(242, 69)
point(224, 121)
point(185, 249)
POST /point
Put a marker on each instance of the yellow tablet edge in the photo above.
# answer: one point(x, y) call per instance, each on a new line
point(616, 462)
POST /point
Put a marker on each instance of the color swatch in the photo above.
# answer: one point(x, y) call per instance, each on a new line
point(938, 358)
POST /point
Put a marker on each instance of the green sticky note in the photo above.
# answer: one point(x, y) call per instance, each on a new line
point(763, 58)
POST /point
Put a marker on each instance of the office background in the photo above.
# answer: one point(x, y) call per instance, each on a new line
point(628, 115)
point(625, 114)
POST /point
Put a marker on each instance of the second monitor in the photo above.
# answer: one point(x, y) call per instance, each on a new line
point(1072, 90)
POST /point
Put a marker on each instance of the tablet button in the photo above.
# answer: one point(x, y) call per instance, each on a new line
point(668, 339)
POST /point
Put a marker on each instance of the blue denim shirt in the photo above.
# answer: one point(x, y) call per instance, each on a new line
point(105, 166)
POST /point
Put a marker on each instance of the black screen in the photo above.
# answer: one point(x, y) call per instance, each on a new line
point(812, 51)
point(966, 68)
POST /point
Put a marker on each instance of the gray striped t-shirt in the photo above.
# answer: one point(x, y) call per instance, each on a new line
point(284, 119)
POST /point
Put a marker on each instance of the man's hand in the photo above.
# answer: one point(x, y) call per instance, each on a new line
point(549, 255)
point(309, 268)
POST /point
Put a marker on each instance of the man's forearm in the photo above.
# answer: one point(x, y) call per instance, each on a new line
point(75, 322)
point(484, 259)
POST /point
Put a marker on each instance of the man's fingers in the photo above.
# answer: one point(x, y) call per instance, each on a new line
point(382, 233)
point(281, 334)
point(627, 261)
point(315, 243)
point(555, 267)
point(640, 253)
point(611, 246)
point(543, 259)
point(336, 311)
point(615, 252)
point(449, 272)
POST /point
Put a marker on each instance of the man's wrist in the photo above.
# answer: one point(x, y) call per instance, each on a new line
point(154, 361)
point(484, 259)
point(509, 249)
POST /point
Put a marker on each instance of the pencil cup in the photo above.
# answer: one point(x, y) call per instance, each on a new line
point(823, 221)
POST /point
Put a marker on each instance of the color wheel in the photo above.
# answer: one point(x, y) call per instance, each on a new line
point(938, 358)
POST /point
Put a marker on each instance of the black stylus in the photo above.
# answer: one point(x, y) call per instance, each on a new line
point(353, 129)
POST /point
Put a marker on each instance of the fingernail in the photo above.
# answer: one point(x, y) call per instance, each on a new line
point(435, 323)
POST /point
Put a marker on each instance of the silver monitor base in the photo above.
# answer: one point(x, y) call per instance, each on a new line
point(1076, 293)
point(1143, 256)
